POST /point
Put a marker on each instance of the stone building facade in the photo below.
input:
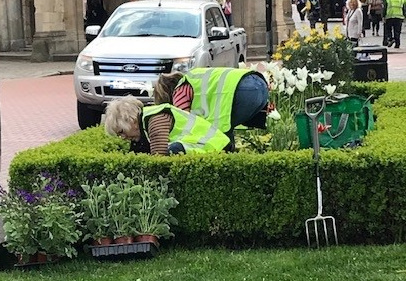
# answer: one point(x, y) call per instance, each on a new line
point(55, 27)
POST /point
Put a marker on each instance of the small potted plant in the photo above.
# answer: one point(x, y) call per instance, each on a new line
point(95, 213)
point(16, 209)
point(122, 197)
point(153, 217)
point(43, 223)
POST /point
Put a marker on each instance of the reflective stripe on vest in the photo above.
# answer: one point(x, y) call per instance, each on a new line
point(213, 93)
point(193, 132)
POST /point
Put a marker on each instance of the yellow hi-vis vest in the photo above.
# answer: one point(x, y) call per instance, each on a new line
point(193, 132)
point(395, 9)
point(213, 93)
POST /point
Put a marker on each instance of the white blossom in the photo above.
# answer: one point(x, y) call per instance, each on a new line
point(302, 73)
point(242, 65)
point(327, 74)
point(330, 89)
point(290, 90)
point(316, 77)
point(274, 114)
point(301, 85)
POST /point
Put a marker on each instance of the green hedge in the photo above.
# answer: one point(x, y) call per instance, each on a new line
point(260, 198)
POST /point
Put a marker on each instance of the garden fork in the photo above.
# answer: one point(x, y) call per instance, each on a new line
point(313, 108)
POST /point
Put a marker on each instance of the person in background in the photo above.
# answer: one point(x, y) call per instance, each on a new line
point(226, 97)
point(169, 130)
point(324, 13)
point(95, 15)
point(366, 21)
point(394, 14)
point(375, 10)
point(354, 20)
point(227, 9)
point(300, 5)
point(313, 12)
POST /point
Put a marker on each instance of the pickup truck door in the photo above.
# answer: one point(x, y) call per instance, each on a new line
point(222, 51)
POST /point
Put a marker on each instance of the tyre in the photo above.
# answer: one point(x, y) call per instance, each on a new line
point(87, 117)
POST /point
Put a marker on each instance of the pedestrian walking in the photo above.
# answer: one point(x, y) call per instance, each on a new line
point(366, 21)
point(227, 9)
point(324, 13)
point(394, 14)
point(375, 11)
point(169, 129)
point(226, 97)
point(353, 21)
point(313, 12)
point(300, 5)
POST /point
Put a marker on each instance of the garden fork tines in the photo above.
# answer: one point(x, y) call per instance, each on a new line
point(313, 108)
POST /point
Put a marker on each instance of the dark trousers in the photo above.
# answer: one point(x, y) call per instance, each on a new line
point(393, 30)
point(300, 7)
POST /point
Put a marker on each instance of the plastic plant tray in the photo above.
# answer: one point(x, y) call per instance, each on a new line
point(117, 251)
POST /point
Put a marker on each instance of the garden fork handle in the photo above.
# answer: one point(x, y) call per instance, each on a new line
point(314, 101)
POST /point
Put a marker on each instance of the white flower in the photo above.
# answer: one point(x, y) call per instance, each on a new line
point(254, 66)
point(302, 73)
point(327, 74)
point(242, 65)
point(271, 66)
point(290, 90)
point(274, 114)
point(301, 85)
point(278, 76)
point(290, 79)
point(316, 77)
point(281, 87)
point(341, 83)
point(330, 89)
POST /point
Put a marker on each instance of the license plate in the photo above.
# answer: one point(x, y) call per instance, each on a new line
point(126, 84)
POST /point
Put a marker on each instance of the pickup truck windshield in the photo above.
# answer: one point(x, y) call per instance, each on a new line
point(130, 22)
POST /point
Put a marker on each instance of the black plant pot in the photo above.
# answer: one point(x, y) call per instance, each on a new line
point(138, 250)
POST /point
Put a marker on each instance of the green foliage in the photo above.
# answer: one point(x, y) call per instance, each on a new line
point(45, 219)
point(262, 198)
point(319, 51)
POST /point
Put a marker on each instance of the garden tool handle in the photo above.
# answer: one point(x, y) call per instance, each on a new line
point(316, 100)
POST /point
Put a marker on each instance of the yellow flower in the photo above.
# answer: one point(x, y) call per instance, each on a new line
point(287, 57)
point(326, 46)
point(277, 56)
point(296, 46)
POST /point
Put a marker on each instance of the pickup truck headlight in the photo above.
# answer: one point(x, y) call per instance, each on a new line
point(85, 63)
point(183, 64)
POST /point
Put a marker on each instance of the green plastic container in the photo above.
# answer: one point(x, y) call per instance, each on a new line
point(350, 119)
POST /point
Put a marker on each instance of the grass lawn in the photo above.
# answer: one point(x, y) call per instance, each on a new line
point(335, 263)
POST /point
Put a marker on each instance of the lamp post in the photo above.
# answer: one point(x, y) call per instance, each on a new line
point(269, 39)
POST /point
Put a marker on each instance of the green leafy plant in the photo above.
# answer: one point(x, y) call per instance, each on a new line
point(95, 207)
point(43, 220)
point(153, 217)
point(319, 51)
point(123, 199)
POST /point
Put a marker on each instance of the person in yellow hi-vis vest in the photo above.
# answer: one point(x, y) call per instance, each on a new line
point(226, 97)
point(168, 129)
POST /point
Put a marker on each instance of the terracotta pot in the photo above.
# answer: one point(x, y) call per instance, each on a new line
point(124, 240)
point(42, 257)
point(147, 238)
point(103, 241)
point(31, 259)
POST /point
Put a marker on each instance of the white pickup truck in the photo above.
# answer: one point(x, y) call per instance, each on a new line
point(143, 39)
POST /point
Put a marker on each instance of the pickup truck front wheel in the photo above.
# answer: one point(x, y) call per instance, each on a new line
point(87, 117)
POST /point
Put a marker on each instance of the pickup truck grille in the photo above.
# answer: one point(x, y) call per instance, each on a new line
point(130, 67)
point(120, 92)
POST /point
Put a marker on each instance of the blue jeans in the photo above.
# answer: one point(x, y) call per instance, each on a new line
point(250, 97)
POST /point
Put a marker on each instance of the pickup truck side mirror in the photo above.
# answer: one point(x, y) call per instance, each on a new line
point(91, 32)
point(219, 33)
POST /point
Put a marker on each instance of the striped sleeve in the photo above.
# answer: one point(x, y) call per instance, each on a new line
point(159, 127)
point(182, 97)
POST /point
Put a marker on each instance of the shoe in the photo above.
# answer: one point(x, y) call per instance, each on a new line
point(377, 34)
point(397, 46)
point(385, 43)
point(390, 43)
point(373, 33)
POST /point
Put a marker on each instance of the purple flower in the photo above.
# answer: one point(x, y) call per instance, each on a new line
point(46, 175)
point(59, 184)
point(30, 198)
point(71, 193)
point(49, 188)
